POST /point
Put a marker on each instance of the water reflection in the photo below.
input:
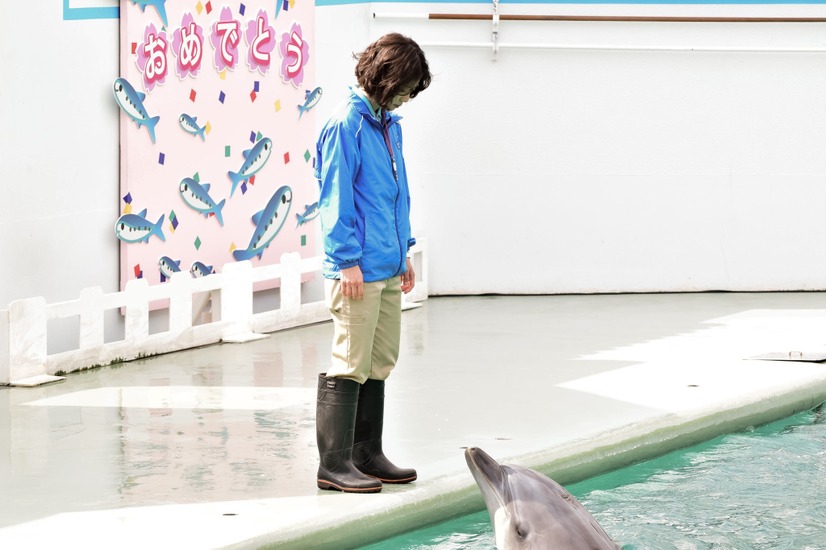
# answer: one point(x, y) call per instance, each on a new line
point(219, 423)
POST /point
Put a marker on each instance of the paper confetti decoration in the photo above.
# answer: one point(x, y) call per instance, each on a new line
point(232, 248)
point(242, 9)
point(127, 208)
point(173, 221)
point(208, 128)
point(227, 150)
point(277, 105)
point(256, 86)
point(197, 243)
point(287, 157)
point(161, 158)
point(221, 97)
point(307, 156)
point(303, 240)
point(138, 271)
point(192, 94)
point(209, 7)
point(253, 95)
point(199, 8)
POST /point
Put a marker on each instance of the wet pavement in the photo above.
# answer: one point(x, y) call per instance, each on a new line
point(215, 447)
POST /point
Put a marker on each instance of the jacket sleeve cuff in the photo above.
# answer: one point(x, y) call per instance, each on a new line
point(348, 264)
point(411, 242)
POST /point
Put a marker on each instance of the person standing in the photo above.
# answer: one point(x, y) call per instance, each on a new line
point(364, 208)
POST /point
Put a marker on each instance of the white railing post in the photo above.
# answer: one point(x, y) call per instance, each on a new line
point(291, 284)
point(418, 257)
point(27, 342)
point(236, 302)
point(180, 302)
point(91, 318)
point(24, 357)
point(5, 352)
point(136, 321)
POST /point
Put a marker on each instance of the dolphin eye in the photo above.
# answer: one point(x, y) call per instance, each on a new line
point(283, 199)
point(118, 87)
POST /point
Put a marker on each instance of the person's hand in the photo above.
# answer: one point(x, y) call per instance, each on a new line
point(352, 282)
point(408, 278)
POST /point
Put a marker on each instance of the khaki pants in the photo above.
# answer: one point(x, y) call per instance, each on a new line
point(367, 332)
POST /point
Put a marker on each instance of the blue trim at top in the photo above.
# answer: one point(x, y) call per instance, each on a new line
point(76, 14)
point(627, 2)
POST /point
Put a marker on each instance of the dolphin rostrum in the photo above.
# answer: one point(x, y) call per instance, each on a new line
point(531, 511)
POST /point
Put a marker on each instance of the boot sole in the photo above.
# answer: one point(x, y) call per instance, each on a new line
point(326, 485)
point(395, 481)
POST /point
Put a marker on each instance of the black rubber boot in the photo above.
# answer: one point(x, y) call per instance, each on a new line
point(367, 453)
point(335, 420)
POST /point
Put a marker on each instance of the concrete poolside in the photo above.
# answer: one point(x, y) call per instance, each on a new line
point(215, 447)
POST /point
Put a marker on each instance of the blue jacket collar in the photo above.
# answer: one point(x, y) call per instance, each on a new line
point(363, 106)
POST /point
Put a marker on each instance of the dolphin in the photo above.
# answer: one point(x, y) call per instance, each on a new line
point(531, 511)
point(131, 103)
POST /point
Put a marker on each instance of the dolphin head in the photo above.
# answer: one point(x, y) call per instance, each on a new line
point(531, 511)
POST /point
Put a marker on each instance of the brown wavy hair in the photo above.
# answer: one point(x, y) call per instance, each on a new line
point(389, 64)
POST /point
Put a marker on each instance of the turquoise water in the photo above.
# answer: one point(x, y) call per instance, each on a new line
point(761, 489)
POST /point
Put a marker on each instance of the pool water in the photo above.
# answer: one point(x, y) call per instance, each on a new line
point(760, 489)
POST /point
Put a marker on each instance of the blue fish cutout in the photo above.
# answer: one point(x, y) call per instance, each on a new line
point(199, 270)
point(254, 160)
point(159, 5)
point(279, 3)
point(167, 266)
point(268, 223)
point(196, 196)
point(135, 228)
point(310, 213)
point(131, 103)
point(190, 126)
point(311, 99)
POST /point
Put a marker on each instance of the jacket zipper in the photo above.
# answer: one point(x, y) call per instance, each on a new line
point(385, 129)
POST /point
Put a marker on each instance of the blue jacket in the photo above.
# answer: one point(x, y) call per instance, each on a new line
point(364, 207)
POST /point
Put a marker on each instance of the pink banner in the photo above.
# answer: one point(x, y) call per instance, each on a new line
point(217, 135)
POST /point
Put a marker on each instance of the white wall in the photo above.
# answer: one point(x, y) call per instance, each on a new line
point(534, 171)
point(58, 153)
point(546, 171)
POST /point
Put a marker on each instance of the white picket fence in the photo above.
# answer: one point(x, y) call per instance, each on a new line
point(25, 361)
